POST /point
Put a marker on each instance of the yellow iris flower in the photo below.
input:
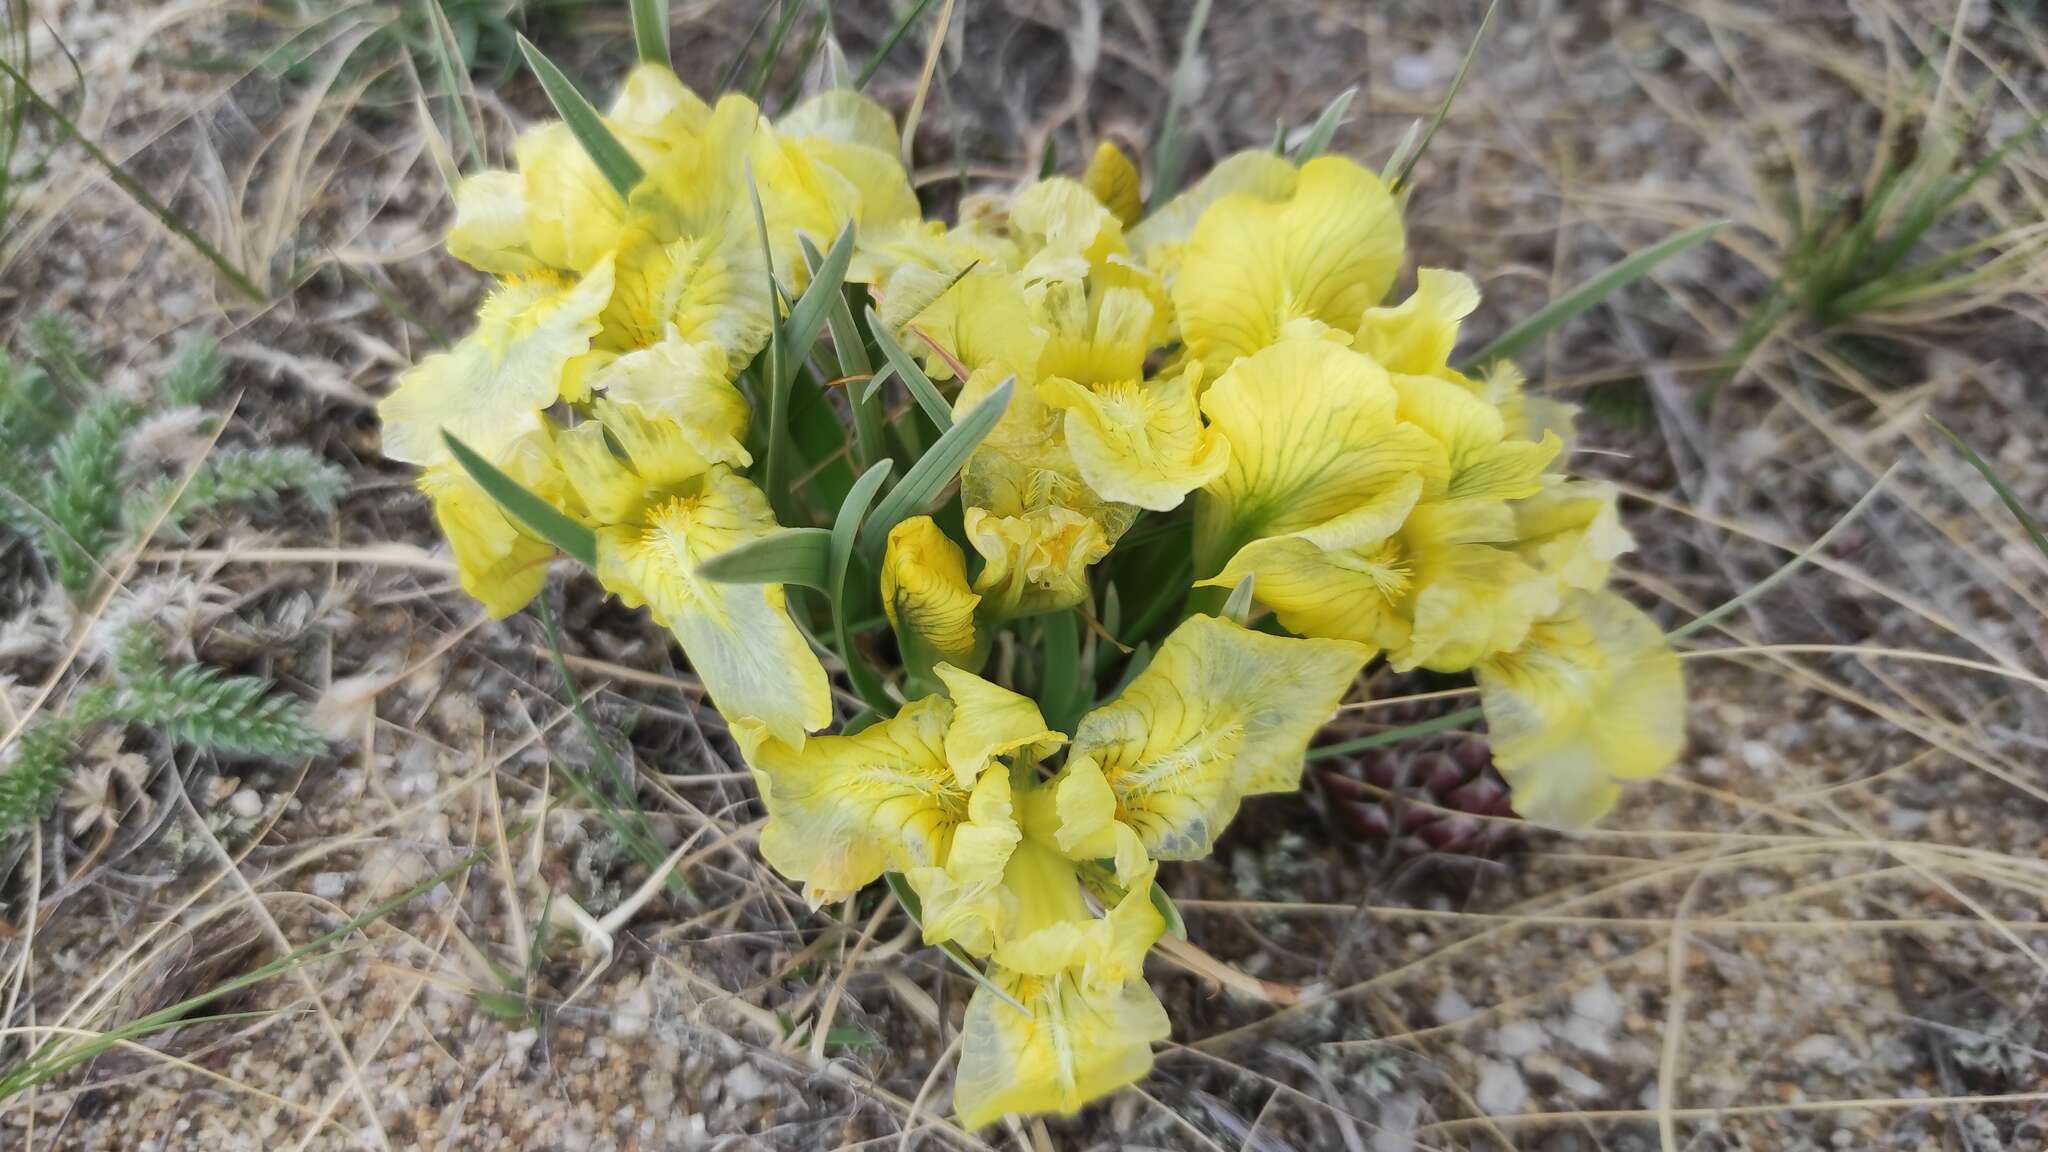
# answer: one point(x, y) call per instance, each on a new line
point(1089, 1018)
point(1594, 696)
point(498, 561)
point(830, 162)
point(670, 503)
point(490, 388)
point(1254, 266)
point(844, 809)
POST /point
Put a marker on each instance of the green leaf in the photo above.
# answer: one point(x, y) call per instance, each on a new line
point(650, 31)
point(784, 556)
point(541, 517)
point(1172, 153)
point(921, 387)
point(776, 427)
point(889, 43)
point(790, 11)
point(927, 478)
point(845, 530)
point(1444, 723)
point(1400, 179)
point(847, 344)
point(616, 164)
point(1060, 685)
point(1175, 926)
point(1586, 295)
point(1318, 140)
point(807, 318)
point(914, 908)
point(2005, 494)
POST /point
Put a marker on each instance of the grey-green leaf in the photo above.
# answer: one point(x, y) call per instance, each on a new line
point(784, 556)
point(1586, 295)
point(543, 518)
point(935, 469)
point(921, 387)
point(1318, 139)
point(807, 317)
point(845, 530)
point(650, 31)
point(616, 164)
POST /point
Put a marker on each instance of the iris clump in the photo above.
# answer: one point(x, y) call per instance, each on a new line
point(703, 314)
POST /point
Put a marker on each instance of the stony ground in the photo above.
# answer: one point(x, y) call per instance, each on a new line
point(1825, 930)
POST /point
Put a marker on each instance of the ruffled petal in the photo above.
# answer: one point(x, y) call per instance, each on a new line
point(489, 389)
point(497, 560)
point(1257, 173)
point(1483, 461)
point(1418, 335)
point(1594, 696)
point(1140, 443)
point(1326, 253)
point(693, 272)
point(1338, 580)
point(490, 232)
point(966, 902)
point(1313, 434)
point(573, 214)
point(674, 409)
point(1572, 530)
point(989, 722)
point(842, 810)
point(1072, 1045)
point(1220, 713)
point(1472, 595)
point(739, 638)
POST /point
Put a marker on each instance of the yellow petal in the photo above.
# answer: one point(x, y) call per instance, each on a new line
point(844, 115)
point(966, 902)
point(573, 214)
point(660, 453)
point(1594, 696)
point(1140, 443)
point(1339, 580)
point(498, 561)
point(1257, 173)
point(1090, 1018)
point(1527, 416)
point(1100, 332)
point(654, 109)
point(1313, 434)
point(1088, 825)
point(990, 721)
point(676, 405)
point(1064, 229)
point(1034, 562)
point(1471, 596)
point(1113, 180)
point(1037, 525)
point(983, 320)
point(1327, 253)
point(739, 638)
point(1418, 335)
point(844, 809)
point(490, 232)
point(1221, 712)
point(703, 281)
point(1572, 531)
point(489, 389)
point(926, 597)
point(1483, 462)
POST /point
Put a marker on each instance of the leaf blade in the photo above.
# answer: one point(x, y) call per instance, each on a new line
point(545, 520)
point(616, 164)
point(1617, 276)
point(938, 466)
point(785, 556)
